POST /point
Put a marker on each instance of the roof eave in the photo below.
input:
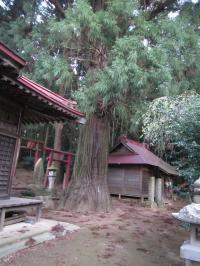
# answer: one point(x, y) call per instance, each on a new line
point(77, 114)
point(11, 55)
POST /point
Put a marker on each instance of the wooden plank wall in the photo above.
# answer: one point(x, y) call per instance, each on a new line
point(132, 180)
point(146, 173)
point(9, 139)
point(7, 148)
point(129, 180)
point(116, 179)
point(9, 116)
point(124, 180)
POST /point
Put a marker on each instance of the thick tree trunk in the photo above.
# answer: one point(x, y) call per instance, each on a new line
point(88, 189)
point(57, 146)
point(58, 135)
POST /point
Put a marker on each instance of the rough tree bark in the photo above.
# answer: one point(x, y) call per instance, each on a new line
point(88, 189)
point(58, 134)
point(57, 146)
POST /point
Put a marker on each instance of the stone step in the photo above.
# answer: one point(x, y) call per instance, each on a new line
point(22, 235)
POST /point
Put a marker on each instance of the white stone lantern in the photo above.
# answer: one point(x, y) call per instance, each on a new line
point(52, 173)
point(190, 249)
point(197, 191)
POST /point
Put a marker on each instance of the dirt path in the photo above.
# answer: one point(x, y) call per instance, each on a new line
point(130, 235)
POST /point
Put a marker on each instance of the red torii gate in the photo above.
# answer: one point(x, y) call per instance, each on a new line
point(34, 145)
point(52, 156)
point(58, 158)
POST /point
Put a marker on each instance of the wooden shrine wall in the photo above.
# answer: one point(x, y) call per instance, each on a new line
point(129, 180)
point(9, 116)
point(125, 180)
point(9, 138)
point(7, 148)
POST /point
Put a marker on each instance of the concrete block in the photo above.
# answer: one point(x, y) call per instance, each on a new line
point(22, 235)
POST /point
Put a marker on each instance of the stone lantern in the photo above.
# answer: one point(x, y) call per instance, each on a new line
point(52, 173)
point(190, 249)
point(197, 191)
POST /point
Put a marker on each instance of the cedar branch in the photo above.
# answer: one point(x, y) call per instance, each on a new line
point(58, 7)
point(160, 6)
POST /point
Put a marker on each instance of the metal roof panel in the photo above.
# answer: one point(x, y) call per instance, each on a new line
point(142, 156)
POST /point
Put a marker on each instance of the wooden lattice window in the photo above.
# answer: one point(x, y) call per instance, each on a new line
point(7, 147)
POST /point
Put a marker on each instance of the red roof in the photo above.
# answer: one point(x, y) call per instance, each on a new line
point(4, 49)
point(141, 155)
point(50, 96)
point(54, 101)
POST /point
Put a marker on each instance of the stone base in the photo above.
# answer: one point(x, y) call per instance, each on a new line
point(190, 252)
point(151, 204)
point(160, 204)
point(196, 199)
point(191, 263)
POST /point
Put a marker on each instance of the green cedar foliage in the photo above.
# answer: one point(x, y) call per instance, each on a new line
point(114, 59)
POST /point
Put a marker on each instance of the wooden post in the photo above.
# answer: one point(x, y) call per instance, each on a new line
point(3, 213)
point(14, 163)
point(39, 212)
point(67, 174)
point(141, 182)
point(142, 199)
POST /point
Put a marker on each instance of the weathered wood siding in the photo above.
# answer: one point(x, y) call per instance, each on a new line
point(7, 148)
point(9, 127)
point(116, 179)
point(9, 116)
point(146, 173)
point(132, 181)
point(128, 180)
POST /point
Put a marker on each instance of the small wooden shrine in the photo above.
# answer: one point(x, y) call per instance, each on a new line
point(23, 101)
point(131, 168)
